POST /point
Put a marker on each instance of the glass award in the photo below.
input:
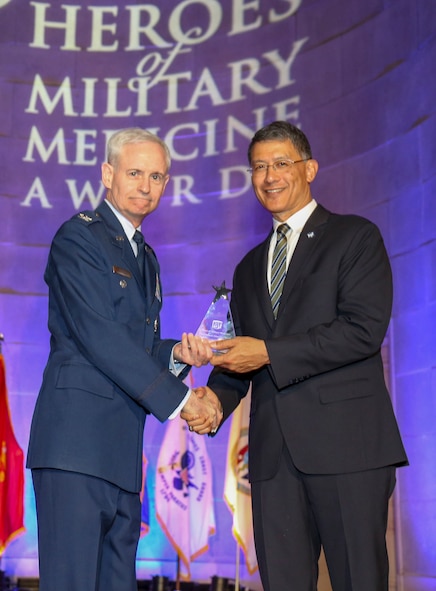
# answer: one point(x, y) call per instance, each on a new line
point(218, 322)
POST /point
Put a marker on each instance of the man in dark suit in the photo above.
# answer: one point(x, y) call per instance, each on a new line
point(324, 441)
point(107, 369)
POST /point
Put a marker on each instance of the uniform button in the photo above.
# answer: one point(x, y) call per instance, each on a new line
point(147, 320)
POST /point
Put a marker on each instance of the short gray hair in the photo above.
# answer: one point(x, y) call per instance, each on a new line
point(133, 135)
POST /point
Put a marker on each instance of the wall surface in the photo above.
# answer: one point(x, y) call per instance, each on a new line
point(357, 77)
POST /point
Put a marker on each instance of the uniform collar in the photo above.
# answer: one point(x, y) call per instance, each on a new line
point(128, 227)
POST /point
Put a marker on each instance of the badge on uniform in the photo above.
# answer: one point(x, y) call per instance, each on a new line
point(158, 294)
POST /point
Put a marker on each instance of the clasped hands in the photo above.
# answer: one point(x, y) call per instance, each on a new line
point(203, 411)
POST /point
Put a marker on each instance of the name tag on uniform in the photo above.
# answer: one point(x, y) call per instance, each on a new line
point(121, 271)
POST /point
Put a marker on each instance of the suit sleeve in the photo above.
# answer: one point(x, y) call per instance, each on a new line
point(105, 328)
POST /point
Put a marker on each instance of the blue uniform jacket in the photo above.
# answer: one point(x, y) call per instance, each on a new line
point(108, 366)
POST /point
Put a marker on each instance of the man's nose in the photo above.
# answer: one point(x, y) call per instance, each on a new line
point(144, 185)
point(271, 173)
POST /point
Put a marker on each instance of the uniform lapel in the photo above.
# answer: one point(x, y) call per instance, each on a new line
point(120, 241)
point(152, 276)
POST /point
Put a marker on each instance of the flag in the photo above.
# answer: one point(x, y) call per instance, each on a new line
point(11, 472)
point(237, 489)
point(184, 500)
point(143, 496)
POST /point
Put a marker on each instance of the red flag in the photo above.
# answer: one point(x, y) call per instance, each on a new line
point(11, 472)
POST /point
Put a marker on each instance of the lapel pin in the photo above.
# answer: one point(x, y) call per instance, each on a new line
point(311, 234)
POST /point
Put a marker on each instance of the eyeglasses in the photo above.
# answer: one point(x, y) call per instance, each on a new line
point(282, 166)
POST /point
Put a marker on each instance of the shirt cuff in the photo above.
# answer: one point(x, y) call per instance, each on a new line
point(175, 367)
point(176, 412)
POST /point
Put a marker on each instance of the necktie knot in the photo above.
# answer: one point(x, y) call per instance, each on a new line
point(282, 231)
point(139, 239)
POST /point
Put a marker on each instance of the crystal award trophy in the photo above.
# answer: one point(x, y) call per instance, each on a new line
point(218, 322)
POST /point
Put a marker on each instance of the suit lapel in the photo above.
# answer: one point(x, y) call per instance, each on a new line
point(307, 242)
point(260, 280)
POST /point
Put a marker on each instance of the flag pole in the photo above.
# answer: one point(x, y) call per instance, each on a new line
point(178, 573)
point(238, 555)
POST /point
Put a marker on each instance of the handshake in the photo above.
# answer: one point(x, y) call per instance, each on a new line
point(203, 411)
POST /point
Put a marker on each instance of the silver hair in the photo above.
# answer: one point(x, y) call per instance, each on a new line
point(133, 135)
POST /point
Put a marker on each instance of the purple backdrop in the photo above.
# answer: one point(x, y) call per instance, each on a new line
point(358, 77)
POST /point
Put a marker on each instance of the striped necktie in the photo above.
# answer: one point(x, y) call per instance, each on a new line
point(278, 268)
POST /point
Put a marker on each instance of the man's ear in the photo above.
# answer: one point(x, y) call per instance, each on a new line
point(311, 170)
point(106, 174)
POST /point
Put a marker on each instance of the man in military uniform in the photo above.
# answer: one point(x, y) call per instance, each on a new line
point(107, 369)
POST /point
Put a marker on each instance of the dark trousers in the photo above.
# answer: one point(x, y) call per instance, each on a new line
point(88, 532)
point(295, 514)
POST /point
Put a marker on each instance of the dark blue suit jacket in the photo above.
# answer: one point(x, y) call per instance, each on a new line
point(107, 366)
point(324, 394)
